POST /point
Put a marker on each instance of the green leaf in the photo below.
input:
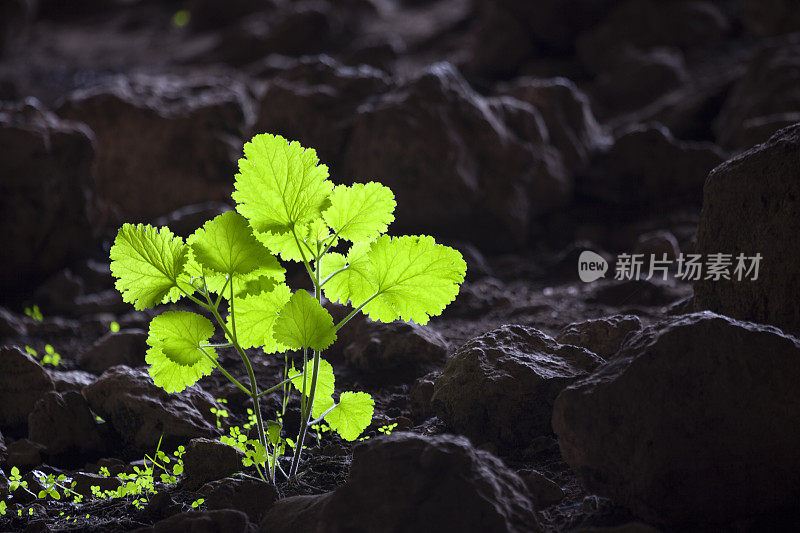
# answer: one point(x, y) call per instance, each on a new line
point(352, 415)
point(350, 283)
point(280, 184)
point(309, 235)
point(360, 212)
point(226, 245)
point(325, 379)
point(175, 357)
point(304, 323)
point(414, 278)
point(321, 404)
point(147, 262)
point(256, 316)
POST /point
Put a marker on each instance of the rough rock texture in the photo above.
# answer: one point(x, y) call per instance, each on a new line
point(141, 412)
point(602, 336)
point(46, 202)
point(570, 125)
point(453, 163)
point(647, 23)
point(500, 387)
point(543, 491)
point(22, 382)
point(251, 496)
point(24, 453)
point(125, 347)
point(64, 424)
point(638, 77)
point(766, 99)
point(751, 204)
point(394, 352)
point(193, 124)
point(314, 100)
point(223, 520)
point(408, 482)
point(3, 449)
point(207, 460)
point(646, 165)
point(420, 396)
point(690, 405)
point(70, 380)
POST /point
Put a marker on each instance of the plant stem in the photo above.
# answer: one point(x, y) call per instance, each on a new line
point(354, 312)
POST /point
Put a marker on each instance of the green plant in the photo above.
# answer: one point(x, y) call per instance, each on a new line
point(286, 206)
point(51, 357)
point(114, 327)
point(35, 313)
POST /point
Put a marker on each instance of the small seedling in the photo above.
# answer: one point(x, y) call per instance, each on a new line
point(51, 357)
point(114, 327)
point(35, 313)
point(287, 207)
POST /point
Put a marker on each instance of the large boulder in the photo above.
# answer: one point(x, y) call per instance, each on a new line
point(208, 460)
point(567, 115)
point(64, 424)
point(163, 141)
point(694, 422)
point(452, 161)
point(649, 23)
point(314, 100)
point(408, 482)
point(765, 99)
point(394, 352)
point(646, 165)
point(46, 205)
point(602, 336)
point(500, 387)
point(22, 383)
point(751, 205)
point(140, 412)
point(124, 347)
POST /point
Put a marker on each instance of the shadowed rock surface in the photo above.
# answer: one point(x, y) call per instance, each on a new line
point(690, 405)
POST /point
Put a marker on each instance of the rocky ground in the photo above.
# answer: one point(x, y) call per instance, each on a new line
point(521, 133)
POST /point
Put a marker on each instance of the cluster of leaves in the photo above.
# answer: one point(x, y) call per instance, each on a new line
point(138, 485)
point(50, 357)
point(286, 207)
point(34, 312)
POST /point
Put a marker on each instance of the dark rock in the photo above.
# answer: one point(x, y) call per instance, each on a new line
point(500, 387)
point(494, 52)
point(46, 197)
point(658, 244)
point(765, 99)
point(3, 449)
point(15, 17)
point(408, 482)
point(185, 220)
point(144, 176)
point(125, 347)
point(689, 405)
point(770, 17)
point(394, 352)
point(452, 163)
point(638, 77)
point(570, 124)
point(314, 101)
point(251, 496)
point(634, 292)
point(22, 382)
point(84, 482)
point(141, 412)
point(209, 15)
point(544, 492)
point(751, 206)
point(208, 460)
point(646, 165)
point(64, 424)
point(224, 520)
point(421, 394)
point(71, 380)
point(602, 336)
point(24, 453)
point(11, 325)
point(648, 23)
